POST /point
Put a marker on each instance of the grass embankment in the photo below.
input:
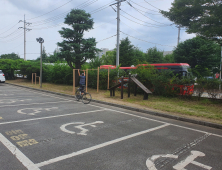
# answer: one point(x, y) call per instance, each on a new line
point(205, 109)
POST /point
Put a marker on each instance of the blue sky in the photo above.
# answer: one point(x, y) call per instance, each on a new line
point(142, 23)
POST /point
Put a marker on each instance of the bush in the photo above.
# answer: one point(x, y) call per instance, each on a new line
point(161, 82)
point(58, 73)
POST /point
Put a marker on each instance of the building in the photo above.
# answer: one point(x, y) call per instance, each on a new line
point(167, 52)
point(104, 50)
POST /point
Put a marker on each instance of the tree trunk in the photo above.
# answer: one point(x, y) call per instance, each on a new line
point(78, 66)
point(76, 78)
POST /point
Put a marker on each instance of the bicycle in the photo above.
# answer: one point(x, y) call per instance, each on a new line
point(86, 97)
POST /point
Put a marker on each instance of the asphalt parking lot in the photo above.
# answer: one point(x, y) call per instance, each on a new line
point(45, 131)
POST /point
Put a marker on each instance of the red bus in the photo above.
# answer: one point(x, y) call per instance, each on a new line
point(179, 69)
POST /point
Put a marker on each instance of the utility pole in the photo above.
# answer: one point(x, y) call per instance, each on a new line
point(220, 70)
point(118, 3)
point(178, 41)
point(40, 40)
point(25, 29)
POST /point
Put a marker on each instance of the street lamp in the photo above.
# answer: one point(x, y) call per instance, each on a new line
point(40, 40)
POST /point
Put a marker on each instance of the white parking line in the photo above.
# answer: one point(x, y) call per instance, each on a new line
point(98, 146)
point(165, 122)
point(36, 103)
point(26, 120)
point(18, 154)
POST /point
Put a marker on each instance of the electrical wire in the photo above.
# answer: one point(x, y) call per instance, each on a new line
point(105, 39)
point(93, 12)
point(144, 21)
point(140, 24)
point(14, 38)
point(9, 29)
point(144, 7)
point(102, 7)
point(60, 16)
point(146, 12)
point(148, 17)
point(152, 5)
point(13, 33)
point(145, 40)
point(132, 28)
point(51, 10)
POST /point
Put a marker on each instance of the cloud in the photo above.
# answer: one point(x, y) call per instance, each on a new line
point(47, 20)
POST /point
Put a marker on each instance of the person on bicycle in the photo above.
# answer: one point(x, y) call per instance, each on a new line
point(82, 81)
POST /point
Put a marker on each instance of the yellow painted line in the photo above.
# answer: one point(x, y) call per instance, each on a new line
point(1, 118)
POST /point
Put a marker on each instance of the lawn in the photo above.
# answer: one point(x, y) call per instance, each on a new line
point(204, 109)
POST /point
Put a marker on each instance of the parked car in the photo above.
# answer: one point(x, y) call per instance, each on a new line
point(2, 77)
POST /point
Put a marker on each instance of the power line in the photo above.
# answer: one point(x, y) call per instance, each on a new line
point(144, 7)
point(139, 23)
point(9, 29)
point(62, 15)
point(16, 31)
point(132, 28)
point(152, 5)
point(146, 12)
point(145, 40)
point(106, 38)
point(143, 21)
point(101, 8)
point(15, 38)
point(148, 17)
point(94, 11)
point(51, 10)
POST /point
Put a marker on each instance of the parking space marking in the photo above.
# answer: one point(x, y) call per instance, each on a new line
point(8, 101)
point(35, 110)
point(26, 120)
point(6, 94)
point(80, 127)
point(184, 127)
point(35, 103)
point(60, 158)
point(18, 154)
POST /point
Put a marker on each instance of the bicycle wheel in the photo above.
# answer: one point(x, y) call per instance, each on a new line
point(78, 95)
point(86, 98)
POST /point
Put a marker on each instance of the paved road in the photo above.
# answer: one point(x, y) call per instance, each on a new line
point(49, 132)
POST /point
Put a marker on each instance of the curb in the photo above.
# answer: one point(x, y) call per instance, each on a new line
point(209, 124)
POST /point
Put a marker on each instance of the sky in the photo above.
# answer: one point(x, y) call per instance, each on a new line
point(141, 23)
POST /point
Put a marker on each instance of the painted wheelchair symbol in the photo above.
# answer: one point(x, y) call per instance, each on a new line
point(181, 165)
point(80, 127)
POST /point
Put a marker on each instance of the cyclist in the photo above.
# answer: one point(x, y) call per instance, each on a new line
point(82, 81)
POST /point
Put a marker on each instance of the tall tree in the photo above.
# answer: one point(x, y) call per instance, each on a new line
point(44, 56)
point(153, 55)
point(202, 17)
point(169, 58)
point(139, 55)
point(12, 56)
point(109, 58)
point(201, 54)
point(75, 49)
point(126, 54)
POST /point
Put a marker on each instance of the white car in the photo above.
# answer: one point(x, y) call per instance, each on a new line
point(2, 77)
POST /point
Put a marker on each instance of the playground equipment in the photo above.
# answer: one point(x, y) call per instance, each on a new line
point(34, 74)
point(87, 70)
point(137, 83)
